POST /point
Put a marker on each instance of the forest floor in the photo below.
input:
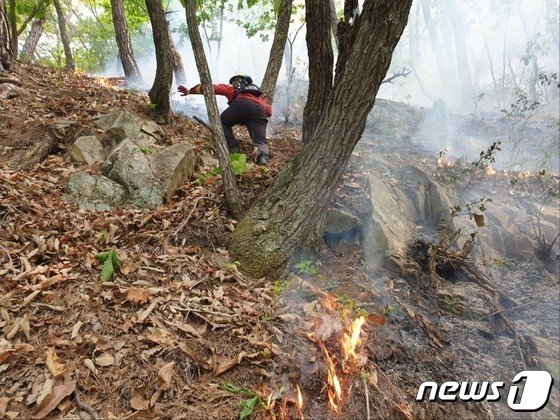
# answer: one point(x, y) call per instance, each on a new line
point(178, 331)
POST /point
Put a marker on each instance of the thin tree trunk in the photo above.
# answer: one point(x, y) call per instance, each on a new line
point(6, 57)
point(13, 28)
point(32, 39)
point(346, 33)
point(231, 191)
point(159, 93)
point(463, 69)
point(30, 17)
point(319, 51)
point(488, 55)
point(177, 63)
point(289, 214)
point(126, 54)
point(270, 78)
point(64, 36)
point(504, 49)
point(435, 44)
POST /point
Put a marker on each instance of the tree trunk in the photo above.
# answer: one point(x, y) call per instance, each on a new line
point(463, 69)
point(436, 45)
point(6, 57)
point(32, 39)
point(159, 93)
point(64, 36)
point(289, 214)
point(231, 191)
point(270, 78)
point(334, 21)
point(346, 31)
point(177, 63)
point(126, 54)
point(320, 53)
point(13, 28)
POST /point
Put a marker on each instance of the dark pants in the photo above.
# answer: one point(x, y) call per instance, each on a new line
point(250, 114)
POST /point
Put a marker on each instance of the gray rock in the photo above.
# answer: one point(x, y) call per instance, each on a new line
point(11, 91)
point(94, 192)
point(87, 150)
point(123, 124)
point(339, 220)
point(173, 165)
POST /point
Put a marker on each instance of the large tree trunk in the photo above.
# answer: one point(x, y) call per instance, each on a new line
point(463, 69)
point(320, 53)
point(290, 212)
point(64, 36)
point(177, 63)
point(32, 39)
point(126, 54)
point(159, 93)
point(6, 56)
point(231, 191)
point(270, 78)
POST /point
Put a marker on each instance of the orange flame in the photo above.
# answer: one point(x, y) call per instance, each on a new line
point(334, 392)
point(299, 398)
point(349, 342)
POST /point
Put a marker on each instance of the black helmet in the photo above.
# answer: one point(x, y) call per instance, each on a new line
point(248, 79)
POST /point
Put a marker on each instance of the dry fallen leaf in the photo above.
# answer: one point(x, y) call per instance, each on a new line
point(76, 329)
point(479, 219)
point(164, 376)
point(138, 401)
point(53, 363)
point(105, 360)
point(137, 295)
point(89, 364)
point(60, 390)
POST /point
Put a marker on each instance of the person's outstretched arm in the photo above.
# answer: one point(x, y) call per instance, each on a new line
point(219, 89)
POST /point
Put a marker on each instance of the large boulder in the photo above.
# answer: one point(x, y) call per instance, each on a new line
point(401, 200)
point(94, 192)
point(87, 150)
point(148, 174)
point(133, 158)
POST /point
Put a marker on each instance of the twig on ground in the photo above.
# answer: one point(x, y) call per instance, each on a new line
point(366, 392)
point(87, 408)
point(198, 120)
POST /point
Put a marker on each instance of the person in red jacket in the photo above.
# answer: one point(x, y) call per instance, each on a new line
point(246, 107)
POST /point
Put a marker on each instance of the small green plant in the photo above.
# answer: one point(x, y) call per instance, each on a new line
point(239, 163)
point(280, 286)
point(306, 267)
point(389, 309)
point(111, 261)
point(147, 149)
point(250, 404)
point(151, 105)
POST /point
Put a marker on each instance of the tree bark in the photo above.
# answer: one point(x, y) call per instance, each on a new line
point(270, 78)
point(177, 63)
point(334, 21)
point(13, 28)
point(64, 36)
point(159, 93)
point(231, 191)
point(463, 69)
point(126, 54)
point(320, 53)
point(289, 214)
point(6, 57)
point(346, 31)
point(29, 18)
point(32, 39)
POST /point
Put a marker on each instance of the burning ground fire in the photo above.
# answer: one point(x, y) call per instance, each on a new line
point(342, 337)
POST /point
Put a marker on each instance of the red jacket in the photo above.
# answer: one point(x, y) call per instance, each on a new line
point(228, 91)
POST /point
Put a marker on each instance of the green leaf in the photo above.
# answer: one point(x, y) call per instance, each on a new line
point(107, 270)
point(248, 407)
